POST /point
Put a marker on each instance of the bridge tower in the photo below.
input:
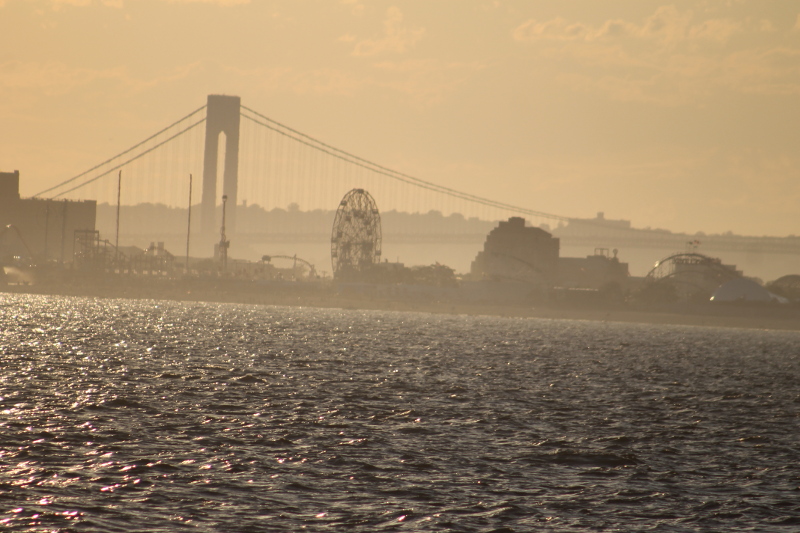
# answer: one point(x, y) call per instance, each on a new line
point(222, 117)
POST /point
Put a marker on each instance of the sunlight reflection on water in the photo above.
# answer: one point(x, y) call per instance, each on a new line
point(167, 416)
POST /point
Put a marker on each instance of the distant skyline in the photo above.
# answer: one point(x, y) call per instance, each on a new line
point(681, 115)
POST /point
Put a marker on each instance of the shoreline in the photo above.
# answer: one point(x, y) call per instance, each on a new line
point(754, 316)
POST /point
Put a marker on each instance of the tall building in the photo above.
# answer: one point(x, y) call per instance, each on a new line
point(516, 252)
point(42, 228)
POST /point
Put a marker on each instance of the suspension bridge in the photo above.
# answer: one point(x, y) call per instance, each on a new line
point(251, 159)
point(261, 161)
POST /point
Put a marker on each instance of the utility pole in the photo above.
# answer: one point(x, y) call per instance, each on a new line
point(189, 224)
point(223, 241)
point(63, 229)
point(116, 242)
point(46, 229)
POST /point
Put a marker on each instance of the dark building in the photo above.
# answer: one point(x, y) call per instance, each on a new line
point(516, 252)
point(42, 228)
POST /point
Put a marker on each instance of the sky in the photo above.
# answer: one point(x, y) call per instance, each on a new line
point(681, 115)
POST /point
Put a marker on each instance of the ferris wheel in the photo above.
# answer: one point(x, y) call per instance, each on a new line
point(356, 235)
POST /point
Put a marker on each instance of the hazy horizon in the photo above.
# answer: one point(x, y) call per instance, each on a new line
point(677, 115)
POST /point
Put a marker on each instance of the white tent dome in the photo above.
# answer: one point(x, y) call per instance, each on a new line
point(743, 289)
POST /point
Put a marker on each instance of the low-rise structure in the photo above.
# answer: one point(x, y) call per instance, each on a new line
point(597, 271)
point(42, 228)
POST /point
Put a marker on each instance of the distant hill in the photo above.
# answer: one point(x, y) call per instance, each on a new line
point(154, 219)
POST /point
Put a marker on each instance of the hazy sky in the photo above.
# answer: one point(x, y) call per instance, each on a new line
point(682, 115)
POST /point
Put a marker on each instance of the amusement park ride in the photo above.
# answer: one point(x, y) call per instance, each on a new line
point(356, 235)
point(312, 271)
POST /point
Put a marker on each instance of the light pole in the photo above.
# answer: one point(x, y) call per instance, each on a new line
point(189, 224)
point(223, 241)
point(116, 241)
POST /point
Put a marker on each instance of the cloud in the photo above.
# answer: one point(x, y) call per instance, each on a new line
point(52, 78)
point(424, 81)
point(395, 39)
point(76, 3)
point(358, 7)
point(720, 30)
point(767, 26)
point(667, 26)
point(556, 30)
point(315, 81)
point(220, 2)
point(59, 4)
point(615, 29)
point(672, 57)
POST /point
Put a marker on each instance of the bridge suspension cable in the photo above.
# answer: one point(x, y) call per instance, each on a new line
point(130, 160)
point(121, 154)
point(302, 155)
point(320, 146)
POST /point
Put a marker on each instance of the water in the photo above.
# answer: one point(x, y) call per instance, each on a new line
point(156, 416)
